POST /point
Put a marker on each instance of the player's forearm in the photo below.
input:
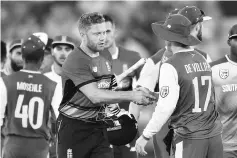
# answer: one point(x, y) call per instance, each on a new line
point(159, 118)
point(110, 97)
point(135, 110)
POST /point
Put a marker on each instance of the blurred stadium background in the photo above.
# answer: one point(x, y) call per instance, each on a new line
point(133, 19)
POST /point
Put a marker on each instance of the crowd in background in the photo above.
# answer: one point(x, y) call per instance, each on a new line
point(133, 19)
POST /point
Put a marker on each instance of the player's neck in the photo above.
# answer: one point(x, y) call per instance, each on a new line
point(31, 67)
point(233, 57)
point(88, 51)
point(113, 49)
point(177, 49)
point(57, 68)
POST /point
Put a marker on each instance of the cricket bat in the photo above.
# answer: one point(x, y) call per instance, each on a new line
point(120, 77)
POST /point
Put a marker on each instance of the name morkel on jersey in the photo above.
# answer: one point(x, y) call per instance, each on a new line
point(197, 67)
point(29, 87)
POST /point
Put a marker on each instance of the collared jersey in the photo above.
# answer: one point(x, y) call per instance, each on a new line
point(80, 69)
point(195, 115)
point(185, 87)
point(27, 101)
point(224, 74)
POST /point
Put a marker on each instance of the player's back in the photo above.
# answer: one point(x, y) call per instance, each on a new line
point(28, 110)
point(195, 115)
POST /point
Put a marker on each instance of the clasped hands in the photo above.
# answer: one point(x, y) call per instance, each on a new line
point(143, 96)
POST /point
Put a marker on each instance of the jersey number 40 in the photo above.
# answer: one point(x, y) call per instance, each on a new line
point(196, 92)
point(27, 111)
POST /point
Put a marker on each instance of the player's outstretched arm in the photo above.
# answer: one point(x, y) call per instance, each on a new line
point(169, 94)
point(135, 110)
point(97, 95)
point(148, 79)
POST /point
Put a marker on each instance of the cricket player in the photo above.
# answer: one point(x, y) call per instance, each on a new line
point(14, 62)
point(27, 101)
point(186, 93)
point(149, 79)
point(86, 82)
point(62, 46)
point(224, 77)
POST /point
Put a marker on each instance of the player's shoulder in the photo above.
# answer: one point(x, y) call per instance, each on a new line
point(218, 62)
point(77, 58)
point(50, 75)
point(201, 52)
point(158, 55)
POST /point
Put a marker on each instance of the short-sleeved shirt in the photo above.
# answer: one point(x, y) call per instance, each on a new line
point(27, 99)
point(80, 69)
point(124, 60)
point(195, 115)
point(224, 74)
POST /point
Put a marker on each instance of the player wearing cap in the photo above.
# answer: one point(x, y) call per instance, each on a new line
point(15, 62)
point(122, 59)
point(87, 81)
point(224, 73)
point(149, 79)
point(62, 46)
point(186, 94)
point(27, 101)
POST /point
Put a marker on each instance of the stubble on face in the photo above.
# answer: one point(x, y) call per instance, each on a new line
point(95, 37)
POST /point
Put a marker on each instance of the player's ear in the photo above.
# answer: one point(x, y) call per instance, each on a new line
point(228, 42)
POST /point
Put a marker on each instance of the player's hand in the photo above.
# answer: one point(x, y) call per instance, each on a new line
point(145, 96)
point(140, 146)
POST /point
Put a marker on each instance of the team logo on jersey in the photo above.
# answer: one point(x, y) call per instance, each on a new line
point(108, 66)
point(164, 59)
point(224, 73)
point(164, 91)
point(94, 69)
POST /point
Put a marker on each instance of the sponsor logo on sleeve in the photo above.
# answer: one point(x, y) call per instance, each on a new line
point(94, 69)
point(224, 73)
point(164, 91)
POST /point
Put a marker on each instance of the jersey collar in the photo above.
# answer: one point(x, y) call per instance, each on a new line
point(229, 60)
point(116, 54)
point(29, 71)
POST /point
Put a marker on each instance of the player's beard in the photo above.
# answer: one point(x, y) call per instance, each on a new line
point(199, 35)
point(15, 67)
point(93, 46)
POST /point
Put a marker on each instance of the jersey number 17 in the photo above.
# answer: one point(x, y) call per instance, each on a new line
point(196, 93)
